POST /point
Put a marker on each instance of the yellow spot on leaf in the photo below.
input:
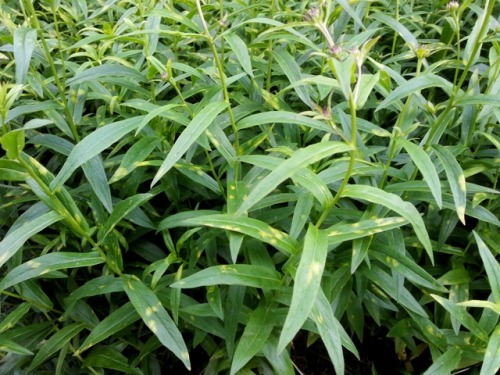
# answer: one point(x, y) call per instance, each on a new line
point(315, 269)
point(152, 326)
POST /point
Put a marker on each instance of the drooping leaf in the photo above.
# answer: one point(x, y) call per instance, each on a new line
point(416, 84)
point(13, 241)
point(462, 316)
point(108, 358)
point(300, 159)
point(154, 315)
point(92, 145)
point(456, 178)
point(108, 71)
point(234, 274)
point(424, 164)
point(395, 203)
point(240, 224)
point(48, 263)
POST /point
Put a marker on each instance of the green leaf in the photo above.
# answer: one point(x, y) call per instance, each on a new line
point(189, 135)
point(303, 177)
point(154, 315)
point(92, 145)
point(96, 175)
point(108, 71)
point(366, 85)
point(424, 164)
point(491, 362)
point(386, 283)
point(119, 319)
point(13, 143)
point(456, 178)
point(343, 71)
point(300, 159)
point(251, 227)
point(327, 325)
point(393, 23)
point(48, 263)
point(446, 363)
point(491, 266)
point(282, 117)
point(13, 241)
point(339, 233)
point(395, 203)
point(24, 45)
point(416, 84)
point(406, 266)
point(306, 284)
point(108, 358)
point(234, 274)
point(240, 49)
point(462, 316)
point(10, 346)
point(121, 210)
point(55, 343)
point(292, 71)
point(481, 99)
point(139, 151)
point(94, 287)
point(10, 320)
point(255, 335)
point(281, 362)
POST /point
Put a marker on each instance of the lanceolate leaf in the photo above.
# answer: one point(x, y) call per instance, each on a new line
point(121, 210)
point(492, 358)
point(189, 135)
point(491, 266)
point(456, 178)
point(327, 325)
point(240, 49)
point(446, 363)
point(154, 315)
point(113, 323)
point(55, 343)
point(251, 227)
point(24, 45)
point(48, 263)
point(300, 159)
point(306, 283)
point(255, 335)
point(13, 241)
point(234, 274)
point(92, 145)
point(462, 316)
point(395, 203)
point(105, 71)
point(424, 164)
point(415, 85)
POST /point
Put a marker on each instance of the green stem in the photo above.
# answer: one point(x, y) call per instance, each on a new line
point(55, 73)
point(352, 159)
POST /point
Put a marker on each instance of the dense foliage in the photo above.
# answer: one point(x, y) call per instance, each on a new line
point(196, 182)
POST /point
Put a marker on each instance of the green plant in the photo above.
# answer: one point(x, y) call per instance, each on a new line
point(208, 179)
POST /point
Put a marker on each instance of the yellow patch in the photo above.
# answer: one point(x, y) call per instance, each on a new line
point(315, 269)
